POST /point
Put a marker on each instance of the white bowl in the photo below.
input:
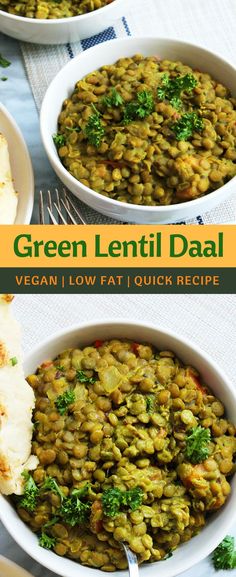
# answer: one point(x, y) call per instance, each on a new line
point(21, 166)
point(188, 554)
point(61, 30)
point(63, 85)
point(10, 569)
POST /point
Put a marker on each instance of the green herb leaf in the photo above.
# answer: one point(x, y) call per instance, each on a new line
point(111, 502)
point(73, 510)
point(171, 88)
point(197, 444)
point(50, 484)
point(168, 555)
point(31, 492)
point(114, 499)
point(94, 130)
point(149, 404)
point(140, 108)
point(59, 140)
point(64, 401)
point(82, 378)
point(133, 498)
point(4, 78)
point(14, 361)
point(73, 128)
point(186, 125)
point(115, 99)
point(4, 63)
point(224, 556)
point(46, 541)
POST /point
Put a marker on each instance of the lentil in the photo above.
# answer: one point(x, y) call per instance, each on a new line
point(107, 443)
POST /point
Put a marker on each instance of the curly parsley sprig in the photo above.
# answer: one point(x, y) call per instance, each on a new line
point(31, 492)
point(114, 499)
point(94, 129)
point(186, 125)
point(63, 401)
point(171, 88)
point(140, 108)
point(113, 99)
point(224, 556)
point(197, 444)
point(73, 509)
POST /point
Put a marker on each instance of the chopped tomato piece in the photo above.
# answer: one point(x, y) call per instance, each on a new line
point(197, 382)
point(134, 348)
point(98, 343)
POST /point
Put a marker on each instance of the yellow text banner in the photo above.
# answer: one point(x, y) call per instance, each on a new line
point(117, 246)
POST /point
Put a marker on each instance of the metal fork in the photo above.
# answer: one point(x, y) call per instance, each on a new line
point(60, 210)
point(132, 560)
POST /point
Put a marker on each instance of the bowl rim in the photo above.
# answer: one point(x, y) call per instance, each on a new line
point(52, 152)
point(47, 558)
point(55, 21)
point(29, 167)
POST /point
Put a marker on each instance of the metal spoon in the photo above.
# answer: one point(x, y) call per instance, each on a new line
point(132, 561)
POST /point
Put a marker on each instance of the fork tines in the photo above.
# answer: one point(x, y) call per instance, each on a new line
point(58, 208)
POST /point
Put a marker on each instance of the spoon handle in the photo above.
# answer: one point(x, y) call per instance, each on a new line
point(132, 561)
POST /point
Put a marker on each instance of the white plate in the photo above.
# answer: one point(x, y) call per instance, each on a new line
point(10, 569)
point(21, 166)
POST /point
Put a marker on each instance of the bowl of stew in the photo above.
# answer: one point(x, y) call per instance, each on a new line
point(56, 22)
point(136, 442)
point(143, 130)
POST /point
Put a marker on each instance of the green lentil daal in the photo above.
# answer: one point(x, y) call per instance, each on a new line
point(53, 9)
point(119, 459)
point(149, 132)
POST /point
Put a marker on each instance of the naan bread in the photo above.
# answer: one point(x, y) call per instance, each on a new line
point(8, 197)
point(16, 405)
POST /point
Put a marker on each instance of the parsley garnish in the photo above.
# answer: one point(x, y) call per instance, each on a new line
point(168, 555)
point(14, 361)
point(114, 499)
point(197, 444)
point(46, 541)
point(171, 88)
point(31, 492)
point(64, 401)
point(114, 99)
point(224, 556)
point(4, 63)
point(149, 404)
point(73, 128)
point(82, 378)
point(50, 484)
point(186, 125)
point(140, 108)
point(4, 78)
point(59, 140)
point(73, 510)
point(94, 129)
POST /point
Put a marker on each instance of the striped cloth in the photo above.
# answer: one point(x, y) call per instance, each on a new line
point(44, 62)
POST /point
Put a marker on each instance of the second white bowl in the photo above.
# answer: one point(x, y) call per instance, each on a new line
point(188, 554)
point(61, 30)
